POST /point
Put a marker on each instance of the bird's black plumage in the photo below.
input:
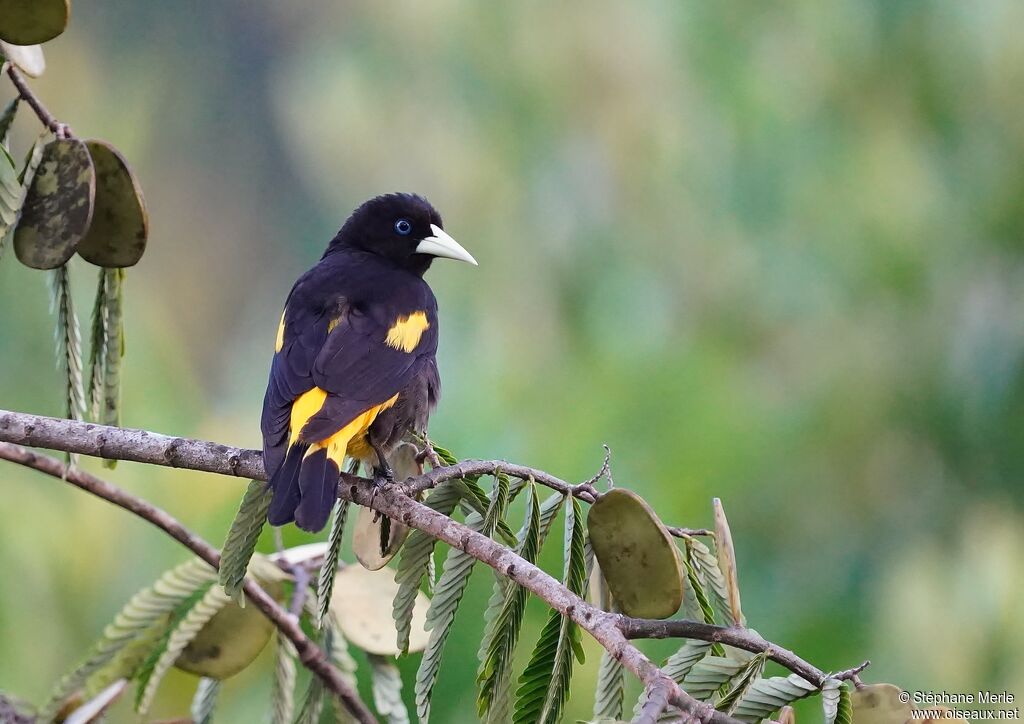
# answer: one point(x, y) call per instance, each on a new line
point(354, 367)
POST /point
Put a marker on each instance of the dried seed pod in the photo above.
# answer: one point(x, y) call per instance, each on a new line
point(362, 604)
point(727, 561)
point(377, 539)
point(58, 205)
point(637, 555)
point(120, 225)
point(29, 58)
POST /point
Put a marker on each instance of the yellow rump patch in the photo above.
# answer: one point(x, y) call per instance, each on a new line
point(405, 333)
point(280, 335)
point(351, 439)
point(353, 435)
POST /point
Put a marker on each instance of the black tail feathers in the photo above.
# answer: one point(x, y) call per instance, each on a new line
point(305, 488)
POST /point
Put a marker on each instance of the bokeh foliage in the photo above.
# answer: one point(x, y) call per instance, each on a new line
point(767, 253)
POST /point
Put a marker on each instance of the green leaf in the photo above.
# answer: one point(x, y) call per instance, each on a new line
point(416, 557)
point(679, 664)
point(242, 536)
point(97, 349)
point(742, 683)
point(387, 690)
point(33, 159)
point(544, 685)
point(504, 618)
point(7, 118)
point(709, 674)
point(12, 196)
point(282, 697)
point(710, 574)
point(147, 609)
point(700, 595)
point(610, 693)
point(325, 585)
point(336, 647)
point(113, 326)
point(204, 701)
point(312, 702)
point(445, 455)
point(835, 702)
point(69, 343)
point(181, 633)
point(479, 501)
point(448, 594)
point(766, 696)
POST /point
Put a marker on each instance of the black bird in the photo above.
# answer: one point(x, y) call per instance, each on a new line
point(354, 366)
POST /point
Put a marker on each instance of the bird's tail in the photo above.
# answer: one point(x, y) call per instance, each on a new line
point(305, 488)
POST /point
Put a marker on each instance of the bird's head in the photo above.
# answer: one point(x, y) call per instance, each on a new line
point(403, 228)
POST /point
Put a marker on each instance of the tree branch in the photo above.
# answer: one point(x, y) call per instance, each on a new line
point(611, 630)
point(309, 653)
point(115, 443)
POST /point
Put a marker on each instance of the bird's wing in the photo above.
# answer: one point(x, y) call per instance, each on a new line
point(368, 358)
point(300, 337)
point(349, 360)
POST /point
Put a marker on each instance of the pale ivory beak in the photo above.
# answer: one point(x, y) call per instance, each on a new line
point(441, 244)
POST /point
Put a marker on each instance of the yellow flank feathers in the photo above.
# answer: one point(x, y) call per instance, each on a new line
point(405, 333)
point(351, 439)
point(280, 335)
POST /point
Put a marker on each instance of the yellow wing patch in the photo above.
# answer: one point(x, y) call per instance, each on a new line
point(280, 335)
point(305, 406)
point(405, 333)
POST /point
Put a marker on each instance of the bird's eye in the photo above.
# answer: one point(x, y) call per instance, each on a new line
point(403, 227)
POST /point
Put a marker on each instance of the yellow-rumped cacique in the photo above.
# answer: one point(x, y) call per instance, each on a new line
point(354, 366)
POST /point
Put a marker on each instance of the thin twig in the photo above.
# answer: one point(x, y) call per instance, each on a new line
point(45, 117)
point(310, 654)
point(737, 637)
point(302, 578)
point(689, 532)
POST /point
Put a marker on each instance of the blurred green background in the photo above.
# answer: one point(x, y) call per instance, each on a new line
point(773, 254)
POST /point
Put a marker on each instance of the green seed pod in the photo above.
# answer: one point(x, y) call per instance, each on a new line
point(637, 555)
point(27, 22)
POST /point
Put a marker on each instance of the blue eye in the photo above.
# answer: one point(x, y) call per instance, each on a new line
point(403, 227)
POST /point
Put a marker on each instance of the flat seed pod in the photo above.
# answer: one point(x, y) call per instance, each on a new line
point(637, 555)
point(369, 545)
point(27, 22)
point(58, 206)
point(727, 560)
point(879, 704)
point(362, 604)
point(29, 58)
point(120, 225)
point(376, 539)
point(228, 643)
